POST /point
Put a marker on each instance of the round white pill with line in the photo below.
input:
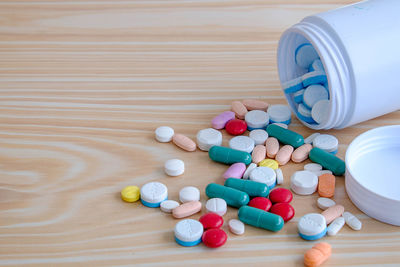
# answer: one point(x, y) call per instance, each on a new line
point(242, 143)
point(312, 226)
point(279, 113)
point(189, 193)
point(216, 205)
point(264, 175)
point(174, 167)
point(326, 142)
point(259, 136)
point(236, 227)
point(352, 221)
point(164, 134)
point(310, 139)
point(207, 138)
point(168, 205)
point(256, 119)
point(279, 176)
point(313, 167)
point(335, 226)
point(323, 203)
point(153, 193)
point(249, 169)
point(188, 232)
point(320, 111)
point(304, 182)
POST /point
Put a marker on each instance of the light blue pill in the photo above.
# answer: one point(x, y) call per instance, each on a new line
point(316, 65)
point(187, 244)
point(314, 77)
point(305, 55)
point(304, 114)
point(313, 94)
point(298, 96)
point(293, 85)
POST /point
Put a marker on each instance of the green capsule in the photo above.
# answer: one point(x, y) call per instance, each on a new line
point(285, 136)
point(327, 160)
point(228, 155)
point(232, 196)
point(260, 218)
point(252, 188)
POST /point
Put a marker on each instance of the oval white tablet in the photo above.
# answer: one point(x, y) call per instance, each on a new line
point(326, 142)
point(189, 193)
point(335, 226)
point(153, 192)
point(188, 230)
point(236, 227)
point(174, 167)
point(312, 224)
point(311, 138)
point(352, 221)
point(313, 94)
point(207, 138)
point(264, 175)
point(323, 203)
point(168, 205)
point(279, 176)
point(279, 113)
point(313, 167)
point(216, 205)
point(249, 169)
point(242, 143)
point(256, 119)
point(259, 136)
point(164, 134)
point(320, 111)
point(304, 182)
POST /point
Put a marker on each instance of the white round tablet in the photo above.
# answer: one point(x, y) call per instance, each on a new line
point(164, 134)
point(312, 224)
point(313, 167)
point(326, 142)
point(303, 110)
point(320, 111)
point(249, 169)
point(168, 205)
point(188, 230)
point(279, 176)
point(236, 227)
point(189, 193)
point(311, 138)
point(242, 143)
point(216, 205)
point(256, 119)
point(264, 175)
point(174, 167)
point(304, 182)
point(323, 203)
point(279, 113)
point(259, 136)
point(313, 94)
point(207, 138)
point(283, 125)
point(154, 192)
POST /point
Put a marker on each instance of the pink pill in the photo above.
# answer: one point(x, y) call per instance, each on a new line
point(284, 154)
point(258, 154)
point(272, 146)
point(220, 120)
point(236, 170)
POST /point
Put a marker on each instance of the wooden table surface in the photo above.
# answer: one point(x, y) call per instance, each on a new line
point(83, 85)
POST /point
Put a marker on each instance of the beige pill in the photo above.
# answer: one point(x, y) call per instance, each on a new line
point(332, 213)
point(284, 154)
point(301, 153)
point(272, 146)
point(239, 109)
point(184, 142)
point(186, 209)
point(258, 153)
point(254, 104)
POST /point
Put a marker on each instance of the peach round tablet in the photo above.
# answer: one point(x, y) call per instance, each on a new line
point(317, 254)
point(284, 154)
point(184, 142)
point(239, 109)
point(258, 153)
point(272, 146)
point(326, 185)
point(301, 153)
point(332, 213)
point(254, 104)
point(186, 209)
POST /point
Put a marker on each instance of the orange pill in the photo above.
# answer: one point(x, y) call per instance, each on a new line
point(184, 142)
point(284, 154)
point(301, 153)
point(239, 109)
point(332, 213)
point(272, 146)
point(186, 209)
point(258, 153)
point(316, 255)
point(254, 104)
point(326, 185)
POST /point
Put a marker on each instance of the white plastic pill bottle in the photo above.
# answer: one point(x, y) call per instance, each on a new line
point(359, 46)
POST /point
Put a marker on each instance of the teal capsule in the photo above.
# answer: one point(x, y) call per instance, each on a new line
point(285, 136)
point(252, 188)
point(228, 155)
point(232, 196)
point(327, 160)
point(260, 218)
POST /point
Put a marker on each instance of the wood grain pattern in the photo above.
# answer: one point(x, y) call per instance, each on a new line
point(83, 85)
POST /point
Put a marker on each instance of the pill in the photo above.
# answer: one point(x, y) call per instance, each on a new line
point(319, 173)
point(252, 188)
point(272, 146)
point(327, 160)
point(184, 142)
point(164, 134)
point(284, 154)
point(323, 203)
point(326, 185)
point(249, 169)
point(352, 221)
point(264, 175)
point(236, 227)
point(232, 196)
point(153, 193)
point(300, 154)
point(279, 176)
point(207, 138)
point(261, 203)
point(273, 164)
point(280, 195)
point(174, 167)
point(320, 111)
point(314, 77)
point(285, 136)
point(332, 213)
point(258, 154)
point(130, 193)
point(335, 226)
point(293, 85)
point(259, 136)
point(305, 55)
point(236, 127)
point(168, 205)
point(304, 182)
point(317, 255)
point(261, 219)
point(313, 94)
point(285, 126)
point(228, 155)
point(216, 205)
point(188, 232)
point(242, 143)
point(254, 104)
point(236, 170)
point(186, 209)
point(326, 142)
point(312, 226)
point(312, 167)
point(211, 220)
point(219, 121)
point(239, 109)
point(316, 65)
point(279, 113)
point(310, 139)
point(298, 96)
point(285, 210)
point(304, 114)
point(256, 119)
point(189, 193)
point(214, 238)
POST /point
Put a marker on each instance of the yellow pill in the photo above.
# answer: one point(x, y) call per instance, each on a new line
point(130, 193)
point(273, 164)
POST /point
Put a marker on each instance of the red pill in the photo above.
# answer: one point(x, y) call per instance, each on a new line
point(284, 210)
point(261, 203)
point(280, 195)
point(211, 220)
point(214, 238)
point(236, 127)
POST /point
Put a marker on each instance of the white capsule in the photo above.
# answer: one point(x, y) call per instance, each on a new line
point(335, 226)
point(310, 139)
point(249, 169)
point(236, 227)
point(216, 205)
point(189, 193)
point(352, 221)
point(242, 143)
point(164, 134)
point(279, 176)
point(174, 167)
point(207, 138)
point(168, 205)
point(323, 203)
